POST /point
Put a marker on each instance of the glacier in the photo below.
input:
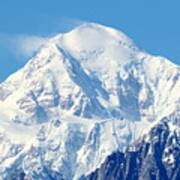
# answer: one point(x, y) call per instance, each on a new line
point(83, 96)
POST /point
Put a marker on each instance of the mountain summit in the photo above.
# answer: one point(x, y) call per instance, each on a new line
point(85, 95)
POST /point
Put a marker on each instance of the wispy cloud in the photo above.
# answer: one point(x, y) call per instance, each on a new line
point(26, 45)
point(22, 45)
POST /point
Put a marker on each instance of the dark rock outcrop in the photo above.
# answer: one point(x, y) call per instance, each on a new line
point(156, 157)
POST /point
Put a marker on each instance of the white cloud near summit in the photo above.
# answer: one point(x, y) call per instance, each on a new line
point(27, 45)
point(22, 45)
point(17, 48)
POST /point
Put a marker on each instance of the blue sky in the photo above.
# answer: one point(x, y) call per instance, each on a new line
point(154, 25)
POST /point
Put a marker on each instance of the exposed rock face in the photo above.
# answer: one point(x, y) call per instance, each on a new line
point(155, 159)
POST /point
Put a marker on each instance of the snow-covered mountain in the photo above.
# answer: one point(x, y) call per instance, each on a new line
point(157, 157)
point(85, 94)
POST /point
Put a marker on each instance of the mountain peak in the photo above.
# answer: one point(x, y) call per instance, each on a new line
point(101, 30)
point(91, 36)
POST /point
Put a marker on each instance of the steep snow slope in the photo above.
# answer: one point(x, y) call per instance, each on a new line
point(84, 95)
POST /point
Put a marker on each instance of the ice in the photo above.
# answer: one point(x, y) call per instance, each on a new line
point(84, 95)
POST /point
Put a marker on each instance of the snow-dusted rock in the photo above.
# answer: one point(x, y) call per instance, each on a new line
point(84, 95)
